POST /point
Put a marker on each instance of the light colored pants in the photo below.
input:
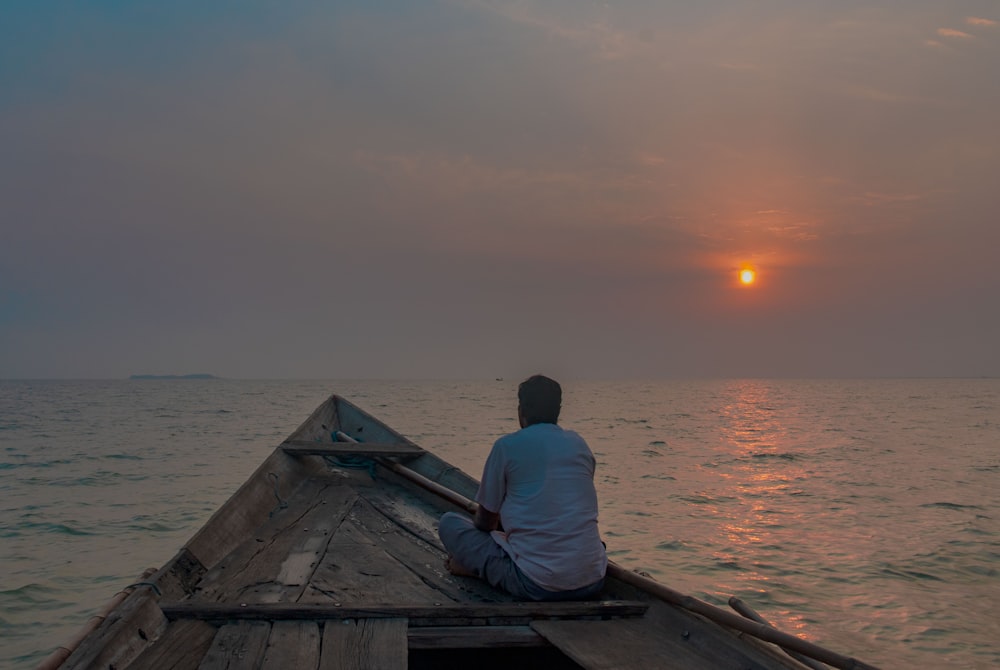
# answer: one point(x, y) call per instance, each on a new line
point(478, 551)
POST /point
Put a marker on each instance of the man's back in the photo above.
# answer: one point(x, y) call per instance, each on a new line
point(541, 481)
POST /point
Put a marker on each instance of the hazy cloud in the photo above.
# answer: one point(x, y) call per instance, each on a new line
point(951, 32)
point(459, 188)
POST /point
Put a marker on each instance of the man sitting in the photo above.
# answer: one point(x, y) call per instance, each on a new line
point(535, 532)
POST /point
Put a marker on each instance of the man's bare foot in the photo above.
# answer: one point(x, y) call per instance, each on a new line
point(456, 568)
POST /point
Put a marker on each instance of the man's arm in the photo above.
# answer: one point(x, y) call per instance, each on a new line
point(486, 520)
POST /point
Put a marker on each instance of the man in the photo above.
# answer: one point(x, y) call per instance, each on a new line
point(535, 532)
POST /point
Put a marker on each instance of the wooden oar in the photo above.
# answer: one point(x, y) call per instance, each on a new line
point(751, 614)
point(655, 588)
point(417, 478)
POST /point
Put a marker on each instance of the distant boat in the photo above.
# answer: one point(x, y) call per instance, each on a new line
point(328, 556)
point(195, 376)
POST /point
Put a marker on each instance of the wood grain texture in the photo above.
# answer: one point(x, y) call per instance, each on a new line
point(365, 644)
point(126, 632)
point(181, 647)
point(360, 566)
point(624, 643)
point(278, 559)
point(249, 507)
point(664, 638)
point(292, 644)
point(237, 646)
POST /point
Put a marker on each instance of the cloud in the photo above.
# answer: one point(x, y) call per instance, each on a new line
point(574, 159)
point(801, 232)
point(977, 21)
point(608, 42)
point(951, 32)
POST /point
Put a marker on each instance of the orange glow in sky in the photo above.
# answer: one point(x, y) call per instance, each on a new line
point(680, 224)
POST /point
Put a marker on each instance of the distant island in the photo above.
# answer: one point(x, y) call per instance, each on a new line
point(197, 376)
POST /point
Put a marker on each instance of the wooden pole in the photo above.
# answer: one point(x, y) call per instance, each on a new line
point(417, 478)
point(750, 613)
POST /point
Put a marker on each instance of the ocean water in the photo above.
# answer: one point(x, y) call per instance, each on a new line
point(863, 515)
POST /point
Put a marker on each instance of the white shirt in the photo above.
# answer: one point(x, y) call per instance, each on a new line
point(541, 482)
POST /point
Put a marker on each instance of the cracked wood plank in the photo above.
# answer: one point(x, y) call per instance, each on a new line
point(276, 563)
point(410, 525)
point(359, 565)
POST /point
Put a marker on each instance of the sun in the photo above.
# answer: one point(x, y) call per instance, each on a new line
point(748, 276)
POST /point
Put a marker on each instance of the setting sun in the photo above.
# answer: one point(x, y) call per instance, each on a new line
point(747, 276)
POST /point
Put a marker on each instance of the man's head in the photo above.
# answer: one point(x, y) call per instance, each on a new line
point(538, 400)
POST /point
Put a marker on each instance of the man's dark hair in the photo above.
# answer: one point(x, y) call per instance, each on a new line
point(539, 399)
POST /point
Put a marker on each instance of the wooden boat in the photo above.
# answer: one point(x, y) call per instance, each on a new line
point(328, 557)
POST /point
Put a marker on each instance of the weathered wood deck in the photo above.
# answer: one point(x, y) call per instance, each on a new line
point(315, 564)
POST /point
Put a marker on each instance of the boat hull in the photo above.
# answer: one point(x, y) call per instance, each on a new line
point(328, 556)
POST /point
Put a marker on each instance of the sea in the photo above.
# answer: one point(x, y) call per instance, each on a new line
point(863, 515)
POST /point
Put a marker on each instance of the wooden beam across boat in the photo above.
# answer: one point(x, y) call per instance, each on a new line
point(212, 611)
point(369, 449)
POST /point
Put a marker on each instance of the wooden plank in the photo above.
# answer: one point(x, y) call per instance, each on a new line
point(293, 644)
point(414, 515)
point(298, 611)
point(61, 653)
point(357, 568)
point(408, 508)
point(395, 449)
point(474, 637)
point(180, 576)
point(321, 423)
point(725, 620)
point(359, 425)
point(409, 535)
point(237, 646)
point(250, 506)
point(126, 632)
point(181, 647)
point(622, 643)
point(277, 560)
point(365, 644)
point(665, 637)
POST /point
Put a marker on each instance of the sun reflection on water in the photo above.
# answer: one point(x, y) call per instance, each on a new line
point(759, 468)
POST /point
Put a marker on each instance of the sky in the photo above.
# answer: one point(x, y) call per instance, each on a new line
point(476, 189)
